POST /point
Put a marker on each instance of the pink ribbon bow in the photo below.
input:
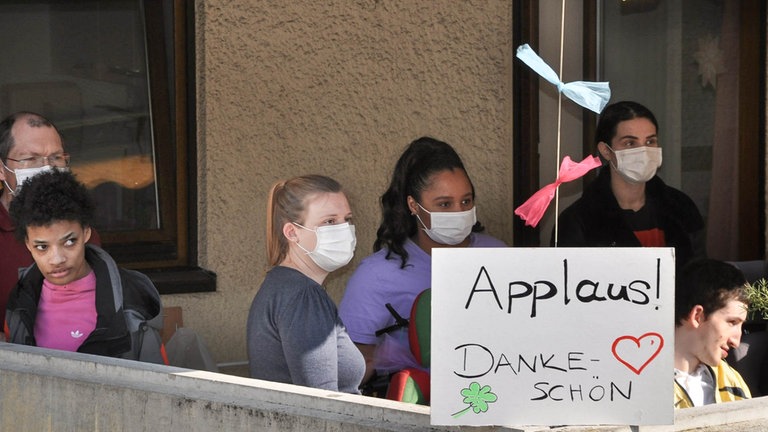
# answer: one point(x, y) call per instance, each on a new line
point(533, 210)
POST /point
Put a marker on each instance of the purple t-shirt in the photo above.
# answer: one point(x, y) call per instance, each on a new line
point(378, 281)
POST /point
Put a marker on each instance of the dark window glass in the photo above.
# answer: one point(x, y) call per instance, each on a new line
point(113, 76)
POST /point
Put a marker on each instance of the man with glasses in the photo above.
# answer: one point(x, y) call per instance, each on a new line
point(29, 144)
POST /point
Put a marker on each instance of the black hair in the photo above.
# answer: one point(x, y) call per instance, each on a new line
point(413, 173)
point(49, 197)
point(616, 113)
point(709, 283)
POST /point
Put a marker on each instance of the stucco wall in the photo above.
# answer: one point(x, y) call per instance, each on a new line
point(339, 88)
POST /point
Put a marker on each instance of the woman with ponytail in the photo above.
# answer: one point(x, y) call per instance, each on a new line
point(294, 334)
point(430, 203)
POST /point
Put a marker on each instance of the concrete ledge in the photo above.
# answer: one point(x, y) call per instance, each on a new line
point(44, 389)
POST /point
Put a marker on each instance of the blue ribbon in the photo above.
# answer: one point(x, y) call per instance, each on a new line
point(591, 95)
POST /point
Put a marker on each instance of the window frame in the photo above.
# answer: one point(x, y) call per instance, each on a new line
point(526, 120)
point(168, 255)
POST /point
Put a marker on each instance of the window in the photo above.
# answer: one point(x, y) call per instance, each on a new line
point(117, 79)
point(699, 66)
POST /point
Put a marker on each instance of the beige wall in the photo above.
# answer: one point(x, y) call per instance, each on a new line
point(339, 88)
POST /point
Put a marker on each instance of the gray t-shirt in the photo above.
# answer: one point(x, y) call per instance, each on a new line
point(295, 335)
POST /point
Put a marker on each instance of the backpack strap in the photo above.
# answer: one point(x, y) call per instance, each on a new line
point(400, 322)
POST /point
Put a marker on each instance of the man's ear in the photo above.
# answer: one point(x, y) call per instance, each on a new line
point(696, 316)
point(289, 231)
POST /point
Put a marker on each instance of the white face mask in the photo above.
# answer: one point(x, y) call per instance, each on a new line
point(637, 165)
point(335, 245)
point(24, 174)
point(449, 228)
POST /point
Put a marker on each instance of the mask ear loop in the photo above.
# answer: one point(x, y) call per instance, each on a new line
point(5, 183)
point(423, 225)
point(409, 203)
point(610, 162)
point(297, 237)
point(302, 226)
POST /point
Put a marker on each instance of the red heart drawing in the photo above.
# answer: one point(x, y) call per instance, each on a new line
point(638, 349)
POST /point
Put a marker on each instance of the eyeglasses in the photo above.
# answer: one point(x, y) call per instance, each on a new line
point(60, 160)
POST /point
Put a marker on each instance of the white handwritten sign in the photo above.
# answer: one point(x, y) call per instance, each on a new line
point(552, 336)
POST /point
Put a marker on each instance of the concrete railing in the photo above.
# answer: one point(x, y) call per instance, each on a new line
point(54, 390)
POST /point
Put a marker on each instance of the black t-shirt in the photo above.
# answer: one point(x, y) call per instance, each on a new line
point(645, 224)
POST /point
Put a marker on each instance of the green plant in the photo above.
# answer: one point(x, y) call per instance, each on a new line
point(757, 293)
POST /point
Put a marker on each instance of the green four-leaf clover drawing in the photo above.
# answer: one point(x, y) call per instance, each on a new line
point(477, 397)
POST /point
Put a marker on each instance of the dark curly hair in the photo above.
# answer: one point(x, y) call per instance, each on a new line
point(709, 283)
point(413, 173)
point(49, 197)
